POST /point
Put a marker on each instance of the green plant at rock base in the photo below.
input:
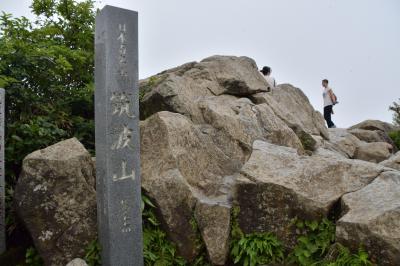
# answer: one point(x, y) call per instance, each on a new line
point(253, 249)
point(236, 232)
point(32, 257)
point(316, 247)
point(201, 259)
point(93, 251)
point(157, 249)
point(313, 245)
point(395, 136)
point(339, 255)
point(257, 249)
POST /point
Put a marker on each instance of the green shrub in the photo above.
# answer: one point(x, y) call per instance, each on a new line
point(395, 108)
point(395, 136)
point(46, 69)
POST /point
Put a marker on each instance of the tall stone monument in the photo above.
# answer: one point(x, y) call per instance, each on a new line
point(2, 177)
point(117, 137)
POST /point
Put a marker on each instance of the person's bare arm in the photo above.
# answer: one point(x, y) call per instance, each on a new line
point(331, 96)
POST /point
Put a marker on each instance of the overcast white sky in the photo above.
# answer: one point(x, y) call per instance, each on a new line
point(355, 44)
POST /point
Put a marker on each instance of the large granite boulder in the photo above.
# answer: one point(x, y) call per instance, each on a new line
point(372, 219)
point(179, 89)
point(375, 125)
point(182, 167)
point(369, 135)
point(277, 185)
point(56, 200)
point(292, 106)
point(341, 141)
point(373, 152)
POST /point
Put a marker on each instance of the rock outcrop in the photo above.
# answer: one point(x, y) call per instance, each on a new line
point(201, 122)
point(277, 185)
point(189, 89)
point(56, 200)
point(212, 137)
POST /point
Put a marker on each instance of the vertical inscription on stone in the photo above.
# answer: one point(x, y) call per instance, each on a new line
point(117, 137)
point(2, 177)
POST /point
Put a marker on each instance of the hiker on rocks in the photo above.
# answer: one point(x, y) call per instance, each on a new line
point(266, 71)
point(329, 101)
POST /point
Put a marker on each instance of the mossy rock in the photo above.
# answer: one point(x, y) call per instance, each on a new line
point(308, 142)
point(149, 84)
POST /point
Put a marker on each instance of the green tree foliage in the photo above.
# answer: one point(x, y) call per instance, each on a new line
point(46, 68)
point(395, 135)
point(395, 107)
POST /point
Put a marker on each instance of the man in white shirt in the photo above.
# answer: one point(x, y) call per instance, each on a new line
point(329, 100)
point(266, 71)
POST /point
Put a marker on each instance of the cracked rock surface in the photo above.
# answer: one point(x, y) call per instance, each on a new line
point(56, 200)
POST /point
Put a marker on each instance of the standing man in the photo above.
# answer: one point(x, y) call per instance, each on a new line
point(329, 101)
point(266, 71)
